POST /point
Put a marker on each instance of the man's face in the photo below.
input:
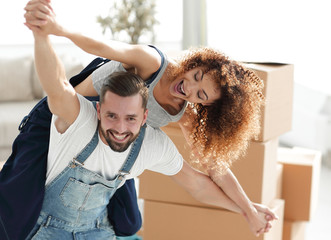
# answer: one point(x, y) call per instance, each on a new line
point(120, 120)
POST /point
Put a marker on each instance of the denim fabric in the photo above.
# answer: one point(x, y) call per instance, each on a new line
point(51, 228)
point(75, 202)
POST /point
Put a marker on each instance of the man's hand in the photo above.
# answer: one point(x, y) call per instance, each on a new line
point(40, 17)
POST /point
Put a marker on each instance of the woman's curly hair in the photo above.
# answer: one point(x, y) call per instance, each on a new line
point(221, 131)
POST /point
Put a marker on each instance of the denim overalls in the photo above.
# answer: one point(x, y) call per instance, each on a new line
point(75, 203)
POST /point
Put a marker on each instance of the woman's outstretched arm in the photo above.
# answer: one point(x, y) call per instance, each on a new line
point(142, 58)
point(255, 214)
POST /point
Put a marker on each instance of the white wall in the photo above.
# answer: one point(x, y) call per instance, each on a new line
point(290, 31)
point(80, 15)
point(294, 31)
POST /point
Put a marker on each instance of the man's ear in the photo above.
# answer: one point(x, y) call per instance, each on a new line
point(98, 110)
point(145, 117)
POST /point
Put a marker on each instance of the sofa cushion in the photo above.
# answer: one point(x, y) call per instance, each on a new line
point(72, 67)
point(11, 115)
point(15, 79)
point(5, 152)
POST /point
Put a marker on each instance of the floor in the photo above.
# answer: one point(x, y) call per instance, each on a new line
point(319, 228)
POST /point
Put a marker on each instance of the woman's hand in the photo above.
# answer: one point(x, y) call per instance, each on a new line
point(260, 220)
point(257, 222)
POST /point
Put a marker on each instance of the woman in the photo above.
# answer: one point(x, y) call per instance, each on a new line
point(216, 101)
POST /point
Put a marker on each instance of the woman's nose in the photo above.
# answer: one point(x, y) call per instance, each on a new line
point(191, 88)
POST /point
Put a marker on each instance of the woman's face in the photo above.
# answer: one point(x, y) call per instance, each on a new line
point(196, 87)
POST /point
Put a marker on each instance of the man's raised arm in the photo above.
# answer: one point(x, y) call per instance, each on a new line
point(62, 98)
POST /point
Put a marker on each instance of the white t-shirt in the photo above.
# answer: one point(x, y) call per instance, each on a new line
point(157, 153)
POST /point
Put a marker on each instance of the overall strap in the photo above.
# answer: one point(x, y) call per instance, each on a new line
point(89, 148)
point(152, 78)
point(131, 159)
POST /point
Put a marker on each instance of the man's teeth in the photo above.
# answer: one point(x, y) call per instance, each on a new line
point(119, 137)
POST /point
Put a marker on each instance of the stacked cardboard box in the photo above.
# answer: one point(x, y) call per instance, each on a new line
point(278, 91)
point(294, 230)
point(164, 221)
point(171, 213)
point(301, 170)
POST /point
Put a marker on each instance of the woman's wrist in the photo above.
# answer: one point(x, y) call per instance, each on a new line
point(250, 211)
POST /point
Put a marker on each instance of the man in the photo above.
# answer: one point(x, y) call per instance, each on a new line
point(79, 181)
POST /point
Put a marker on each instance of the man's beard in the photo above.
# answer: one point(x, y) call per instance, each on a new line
point(116, 146)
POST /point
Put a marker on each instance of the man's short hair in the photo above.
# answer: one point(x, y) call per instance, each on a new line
point(125, 84)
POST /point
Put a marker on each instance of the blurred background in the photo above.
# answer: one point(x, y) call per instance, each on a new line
point(291, 31)
point(282, 31)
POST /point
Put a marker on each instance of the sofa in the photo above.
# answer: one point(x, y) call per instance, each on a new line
point(20, 90)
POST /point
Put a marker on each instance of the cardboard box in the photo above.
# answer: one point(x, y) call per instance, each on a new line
point(164, 221)
point(279, 180)
point(278, 91)
point(301, 171)
point(256, 172)
point(294, 230)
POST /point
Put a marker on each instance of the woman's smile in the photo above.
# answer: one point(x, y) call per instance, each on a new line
point(179, 88)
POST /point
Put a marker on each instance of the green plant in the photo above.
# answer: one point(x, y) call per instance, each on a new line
point(134, 17)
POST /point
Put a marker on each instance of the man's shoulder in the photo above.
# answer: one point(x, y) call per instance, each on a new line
point(154, 133)
point(87, 115)
point(156, 138)
point(86, 104)
point(160, 153)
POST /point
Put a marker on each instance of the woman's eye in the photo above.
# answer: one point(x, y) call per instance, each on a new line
point(196, 76)
point(199, 96)
point(202, 95)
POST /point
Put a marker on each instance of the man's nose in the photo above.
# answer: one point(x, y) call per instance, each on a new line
point(120, 126)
